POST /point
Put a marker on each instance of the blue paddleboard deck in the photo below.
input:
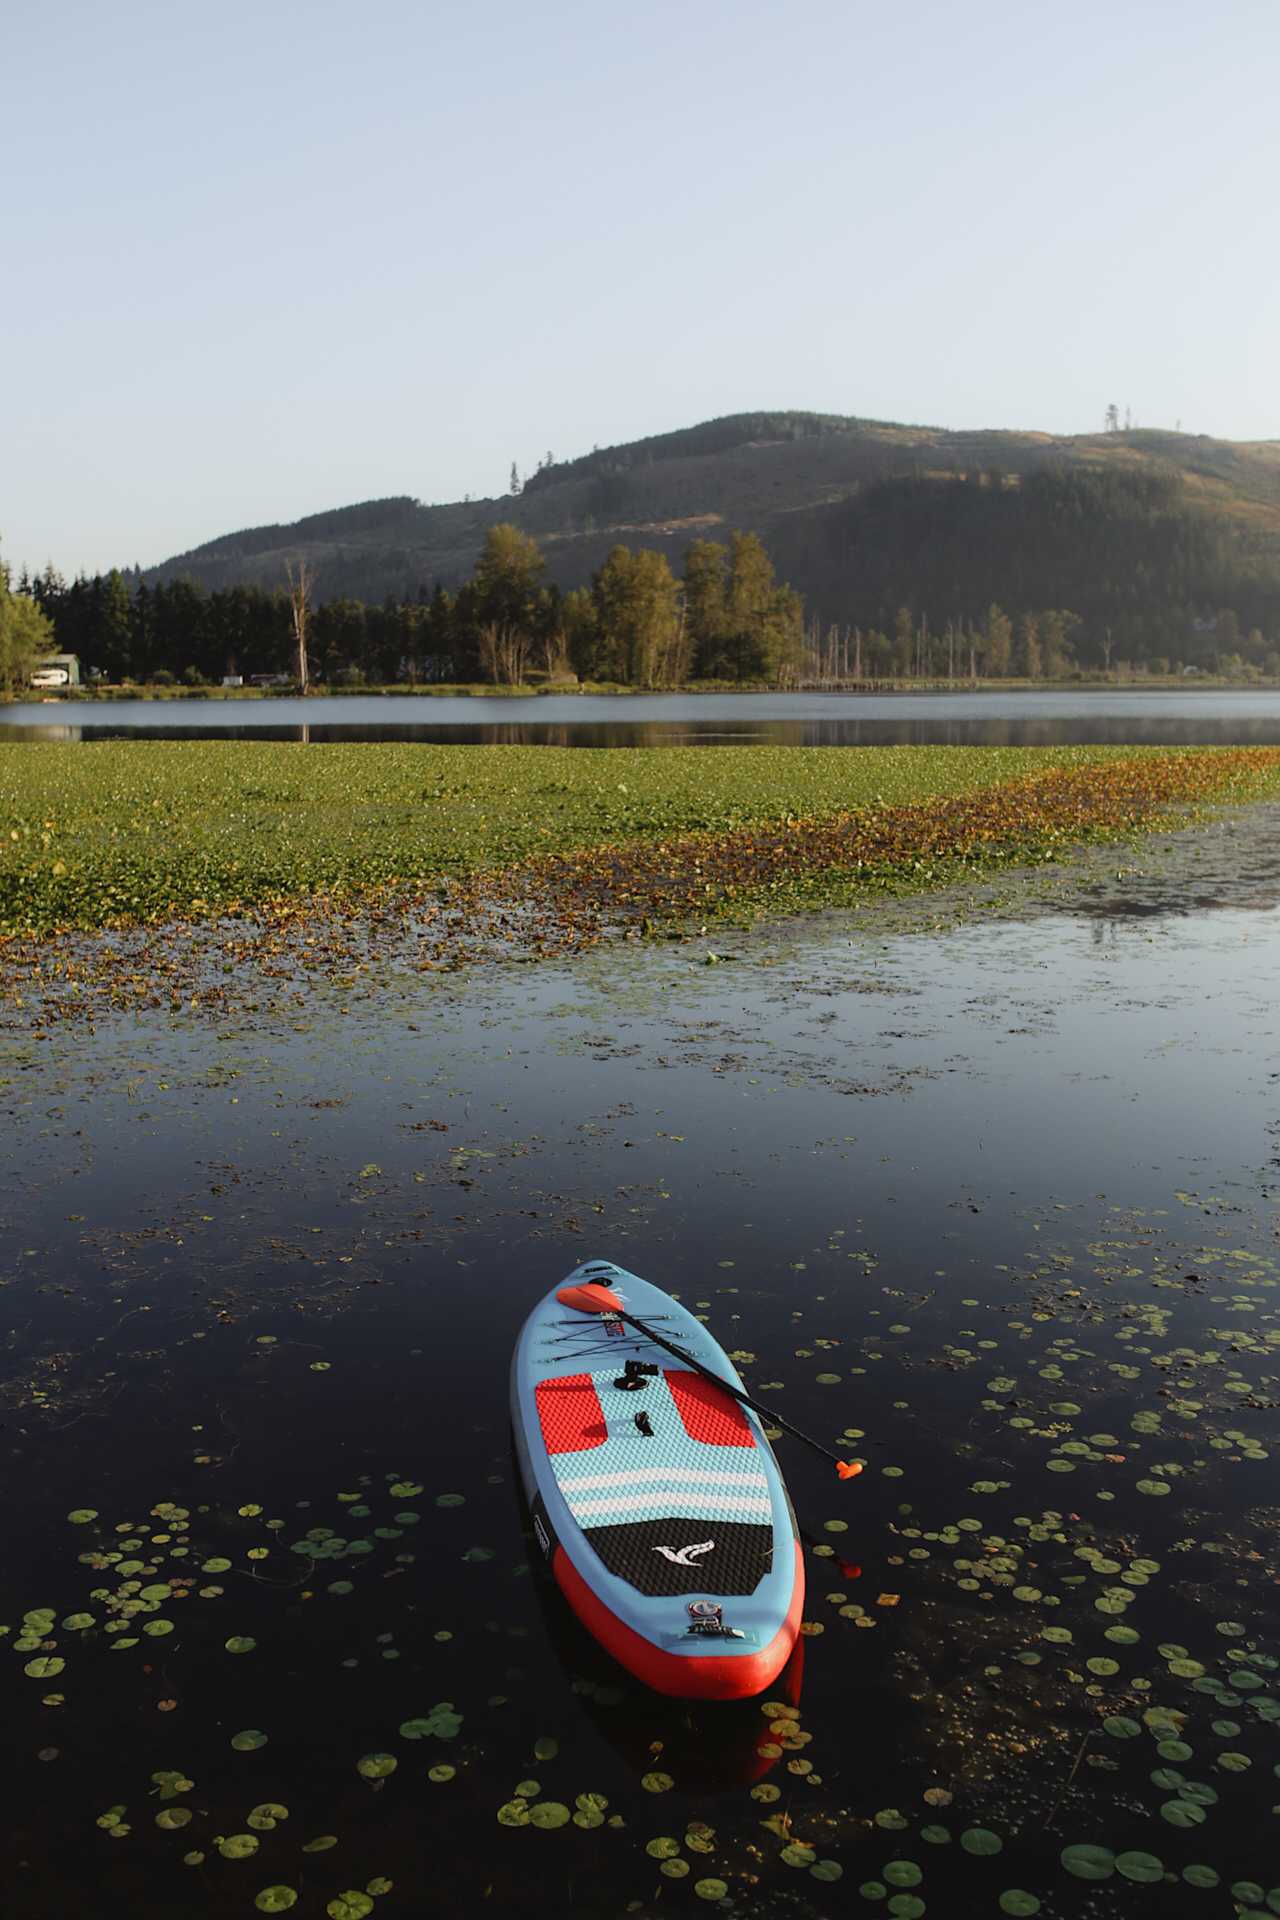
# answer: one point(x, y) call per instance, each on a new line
point(654, 1494)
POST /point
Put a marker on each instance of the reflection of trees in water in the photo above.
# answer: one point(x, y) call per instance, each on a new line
point(1083, 729)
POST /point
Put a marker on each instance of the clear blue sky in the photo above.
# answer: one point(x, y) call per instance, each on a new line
point(263, 259)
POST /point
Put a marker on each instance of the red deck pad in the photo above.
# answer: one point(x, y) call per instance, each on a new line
point(707, 1412)
point(691, 1676)
point(570, 1414)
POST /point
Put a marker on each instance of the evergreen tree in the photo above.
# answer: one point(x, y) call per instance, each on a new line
point(26, 632)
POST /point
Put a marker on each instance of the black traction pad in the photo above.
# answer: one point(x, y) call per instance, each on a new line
point(740, 1555)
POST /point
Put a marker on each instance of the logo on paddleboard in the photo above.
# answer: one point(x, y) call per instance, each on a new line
point(683, 1556)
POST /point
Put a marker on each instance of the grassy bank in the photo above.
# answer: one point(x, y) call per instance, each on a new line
point(132, 831)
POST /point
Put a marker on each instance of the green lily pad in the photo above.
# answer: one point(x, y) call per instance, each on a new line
point(1018, 1903)
point(265, 1816)
point(663, 1847)
point(710, 1889)
point(1200, 1876)
point(81, 1516)
point(249, 1740)
point(441, 1773)
point(1182, 1813)
point(276, 1900)
point(902, 1873)
point(45, 1666)
point(1088, 1862)
point(173, 1817)
point(376, 1766)
point(981, 1841)
point(240, 1643)
point(321, 1843)
point(239, 1846)
point(826, 1870)
point(351, 1905)
point(548, 1814)
point(1143, 1867)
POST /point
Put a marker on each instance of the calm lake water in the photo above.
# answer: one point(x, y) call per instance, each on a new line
point(1174, 718)
point(993, 1208)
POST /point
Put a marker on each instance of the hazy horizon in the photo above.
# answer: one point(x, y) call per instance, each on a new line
point(312, 261)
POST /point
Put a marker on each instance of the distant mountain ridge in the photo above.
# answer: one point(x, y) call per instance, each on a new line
point(814, 486)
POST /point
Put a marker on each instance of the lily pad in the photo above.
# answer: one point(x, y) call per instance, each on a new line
point(376, 1766)
point(1143, 1867)
point(239, 1846)
point(265, 1816)
point(249, 1740)
point(276, 1900)
point(549, 1814)
point(1088, 1862)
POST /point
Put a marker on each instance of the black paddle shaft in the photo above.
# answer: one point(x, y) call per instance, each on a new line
point(766, 1413)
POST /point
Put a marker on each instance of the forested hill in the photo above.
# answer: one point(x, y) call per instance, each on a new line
point(861, 517)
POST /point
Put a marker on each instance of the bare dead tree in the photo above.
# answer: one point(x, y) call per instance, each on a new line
point(301, 588)
point(504, 652)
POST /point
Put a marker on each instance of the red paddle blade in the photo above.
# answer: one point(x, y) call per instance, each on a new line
point(591, 1298)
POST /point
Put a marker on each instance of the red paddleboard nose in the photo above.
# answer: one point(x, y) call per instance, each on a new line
point(591, 1298)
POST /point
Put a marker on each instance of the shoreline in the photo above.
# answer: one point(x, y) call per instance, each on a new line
point(860, 689)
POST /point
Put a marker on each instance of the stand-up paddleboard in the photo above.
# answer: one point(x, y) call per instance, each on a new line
point(654, 1494)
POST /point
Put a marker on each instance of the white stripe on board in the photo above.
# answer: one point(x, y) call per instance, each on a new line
point(706, 1503)
point(631, 1476)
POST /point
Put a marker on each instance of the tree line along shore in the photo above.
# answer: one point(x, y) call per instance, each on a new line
point(725, 620)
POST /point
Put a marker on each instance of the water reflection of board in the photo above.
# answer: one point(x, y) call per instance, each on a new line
point(655, 1496)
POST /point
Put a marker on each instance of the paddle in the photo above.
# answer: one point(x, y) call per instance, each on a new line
point(594, 1298)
